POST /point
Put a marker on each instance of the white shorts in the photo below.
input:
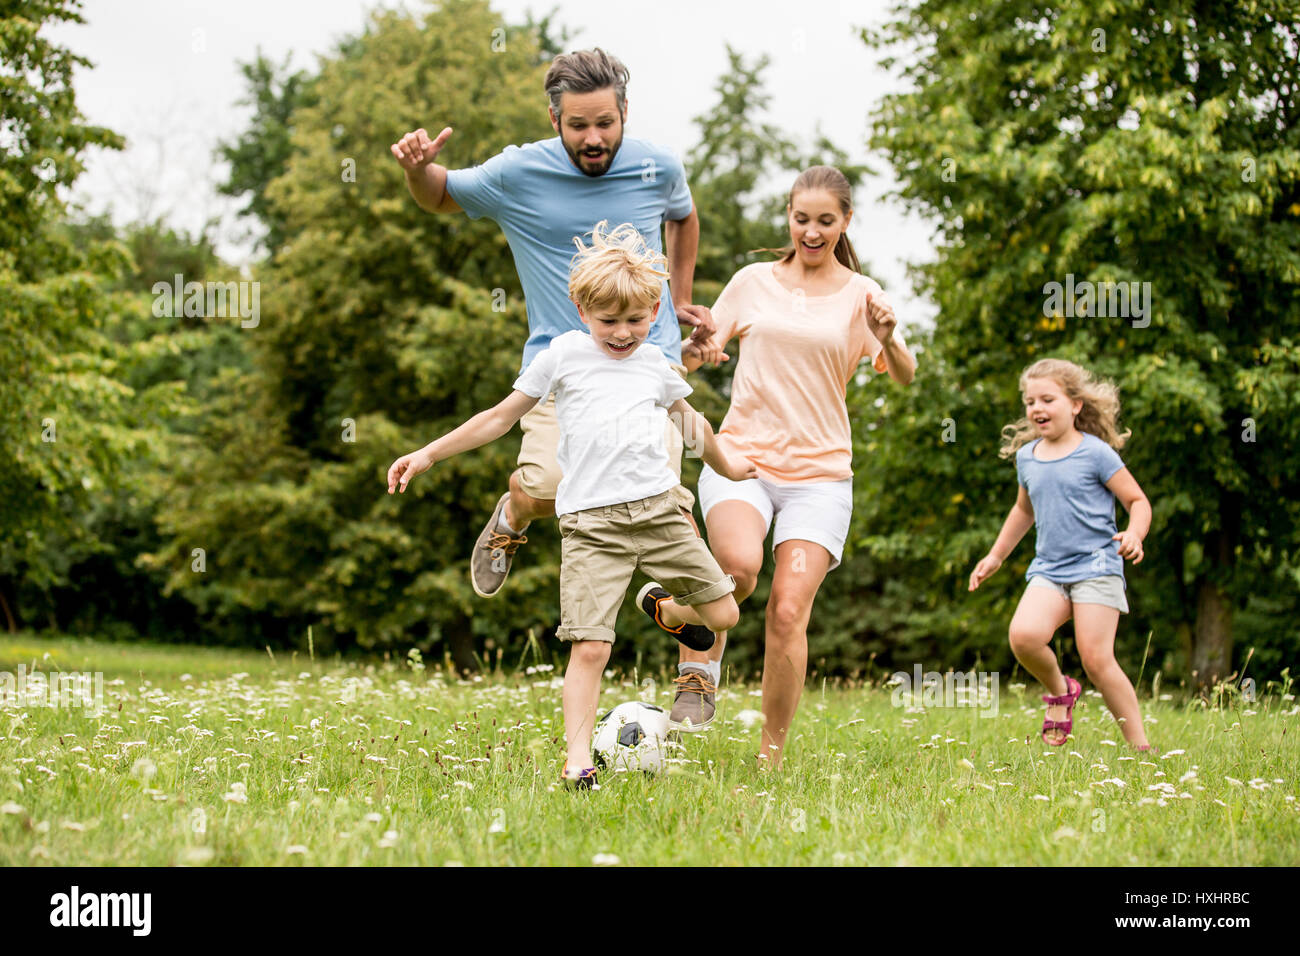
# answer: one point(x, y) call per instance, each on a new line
point(816, 511)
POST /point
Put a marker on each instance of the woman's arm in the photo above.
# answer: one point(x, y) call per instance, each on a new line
point(882, 322)
point(1019, 520)
point(486, 426)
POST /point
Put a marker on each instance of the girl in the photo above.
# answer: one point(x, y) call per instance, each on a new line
point(1070, 476)
point(804, 323)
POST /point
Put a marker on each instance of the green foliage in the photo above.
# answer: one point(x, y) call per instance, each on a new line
point(1111, 146)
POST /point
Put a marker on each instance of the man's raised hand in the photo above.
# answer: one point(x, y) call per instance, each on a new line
point(416, 150)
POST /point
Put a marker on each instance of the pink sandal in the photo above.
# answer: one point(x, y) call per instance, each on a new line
point(1067, 700)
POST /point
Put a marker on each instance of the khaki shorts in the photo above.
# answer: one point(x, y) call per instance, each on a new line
point(539, 472)
point(1107, 590)
point(603, 546)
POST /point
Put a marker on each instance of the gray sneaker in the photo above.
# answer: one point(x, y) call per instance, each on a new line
point(694, 705)
point(493, 551)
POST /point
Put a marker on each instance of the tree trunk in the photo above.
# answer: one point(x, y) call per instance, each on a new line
point(9, 615)
point(461, 643)
point(1212, 641)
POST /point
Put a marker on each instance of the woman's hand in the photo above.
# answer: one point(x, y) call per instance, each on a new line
point(406, 468)
point(988, 564)
point(880, 319)
point(707, 352)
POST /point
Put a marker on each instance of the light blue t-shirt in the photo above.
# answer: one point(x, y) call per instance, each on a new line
point(542, 202)
point(1074, 511)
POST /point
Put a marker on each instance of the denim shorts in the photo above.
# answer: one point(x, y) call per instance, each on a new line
point(1107, 590)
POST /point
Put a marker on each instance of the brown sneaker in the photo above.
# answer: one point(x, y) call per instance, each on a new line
point(694, 706)
point(493, 551)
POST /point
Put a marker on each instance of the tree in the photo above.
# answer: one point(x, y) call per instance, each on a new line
point(1056, 145)
point(69, 424)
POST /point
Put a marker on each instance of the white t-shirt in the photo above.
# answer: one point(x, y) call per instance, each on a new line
point(612, 414)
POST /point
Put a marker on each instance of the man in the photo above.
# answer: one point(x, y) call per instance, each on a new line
point(543, 195)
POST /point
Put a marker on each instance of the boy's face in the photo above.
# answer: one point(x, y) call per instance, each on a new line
point(619, 334)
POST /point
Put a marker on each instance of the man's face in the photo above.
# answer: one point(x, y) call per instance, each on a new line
point(590, 128)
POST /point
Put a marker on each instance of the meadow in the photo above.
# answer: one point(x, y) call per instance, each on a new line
point(210, 757)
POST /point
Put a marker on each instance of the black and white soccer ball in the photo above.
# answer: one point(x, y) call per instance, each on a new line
point(632, 736)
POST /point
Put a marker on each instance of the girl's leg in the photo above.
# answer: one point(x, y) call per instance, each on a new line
point(587, 660)
point(736, 535)
point(801, 567)
point(1041, 611)
point(1094, 632)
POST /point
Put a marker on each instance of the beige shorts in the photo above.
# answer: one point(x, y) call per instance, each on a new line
point(1107, 590)
point(539, 472)
point(603, 546)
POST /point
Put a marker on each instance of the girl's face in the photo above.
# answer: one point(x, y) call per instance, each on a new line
point(1049, 408)
point(816, 225)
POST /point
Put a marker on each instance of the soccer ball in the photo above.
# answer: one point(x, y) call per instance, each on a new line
point(632, 737)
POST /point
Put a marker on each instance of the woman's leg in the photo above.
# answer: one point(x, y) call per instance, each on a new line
point(801, 567)
point(1094, 633)
point(1041, 611)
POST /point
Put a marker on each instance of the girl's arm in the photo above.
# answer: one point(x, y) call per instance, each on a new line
point(486, 426)
point(1124, 486)
point(1019, 520)
point(698, 436)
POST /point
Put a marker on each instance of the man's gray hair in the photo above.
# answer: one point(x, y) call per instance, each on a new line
point(586, 71)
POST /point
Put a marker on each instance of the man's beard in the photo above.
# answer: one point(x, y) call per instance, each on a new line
point(585, 167)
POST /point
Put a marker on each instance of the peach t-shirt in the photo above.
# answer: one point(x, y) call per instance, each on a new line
point(797, 354)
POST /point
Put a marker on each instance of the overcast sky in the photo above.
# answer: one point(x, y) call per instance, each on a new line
point(165, 76)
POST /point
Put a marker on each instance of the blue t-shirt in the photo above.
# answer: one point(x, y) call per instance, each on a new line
point(542, 202)
point(1074, 511)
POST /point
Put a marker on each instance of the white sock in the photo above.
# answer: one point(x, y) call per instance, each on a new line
point(504, 525)
point(714, 669)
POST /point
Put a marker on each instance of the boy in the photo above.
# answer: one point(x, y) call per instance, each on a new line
point(613, 393)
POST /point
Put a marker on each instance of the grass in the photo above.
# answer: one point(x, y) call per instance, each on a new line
point(217, 757)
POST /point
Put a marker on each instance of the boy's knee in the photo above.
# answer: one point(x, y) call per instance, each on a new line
point(588, 652)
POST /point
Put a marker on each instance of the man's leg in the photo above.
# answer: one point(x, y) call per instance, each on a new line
point(531, 496)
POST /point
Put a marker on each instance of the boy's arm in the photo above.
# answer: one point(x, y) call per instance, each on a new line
point(1124, 486)
point(486, 426)
point(695, 354)
point(697, 435)
point(1019, 520)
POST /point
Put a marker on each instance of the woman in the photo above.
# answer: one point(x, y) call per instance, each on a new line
point(804, 324)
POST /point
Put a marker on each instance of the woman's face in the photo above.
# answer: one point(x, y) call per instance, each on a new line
point(816, 225)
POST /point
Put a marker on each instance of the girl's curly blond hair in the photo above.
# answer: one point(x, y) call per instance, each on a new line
point(1098, 416)
point(617, 272)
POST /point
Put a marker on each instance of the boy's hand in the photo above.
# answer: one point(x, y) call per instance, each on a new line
point(706, 351)
point(880, 319)
point(406, 468)
point(988, 564)
point(1130, 546)
point(737, 468)
point(415, 150)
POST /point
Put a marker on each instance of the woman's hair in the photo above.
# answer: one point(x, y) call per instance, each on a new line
point(585, 72)
point(617, 271)
point(837, 184)
point(1097, 417)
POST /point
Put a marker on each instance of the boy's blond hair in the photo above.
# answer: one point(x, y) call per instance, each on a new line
point(1099, 415)
point(616, 273)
